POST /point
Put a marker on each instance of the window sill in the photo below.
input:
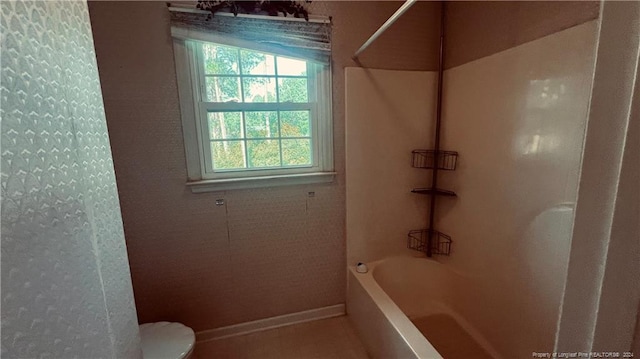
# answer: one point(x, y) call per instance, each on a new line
point(215, 185)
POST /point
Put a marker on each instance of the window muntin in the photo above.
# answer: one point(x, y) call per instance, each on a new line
point(258, 111)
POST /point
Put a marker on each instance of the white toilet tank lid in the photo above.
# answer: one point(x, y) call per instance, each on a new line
point(166, 340)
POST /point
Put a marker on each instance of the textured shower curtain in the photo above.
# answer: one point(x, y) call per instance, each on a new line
point(66, 286)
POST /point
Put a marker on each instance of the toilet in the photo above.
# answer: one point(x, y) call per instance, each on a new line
point(165, 340)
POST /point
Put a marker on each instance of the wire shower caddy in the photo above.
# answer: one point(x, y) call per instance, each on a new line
point(418, 240)
point(431, 241)
point(431, 159)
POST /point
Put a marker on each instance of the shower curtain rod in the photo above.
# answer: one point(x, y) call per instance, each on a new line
point(407, 4)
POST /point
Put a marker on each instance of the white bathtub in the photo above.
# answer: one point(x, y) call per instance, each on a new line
point(397, 292)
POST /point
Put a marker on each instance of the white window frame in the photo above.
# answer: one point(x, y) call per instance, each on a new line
point(200, 175)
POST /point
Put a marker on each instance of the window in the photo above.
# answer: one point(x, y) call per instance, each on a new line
point(255, 118)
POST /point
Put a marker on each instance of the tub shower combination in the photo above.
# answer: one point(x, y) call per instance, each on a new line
point(398, 307)
point(402, 309)
point(503, 293)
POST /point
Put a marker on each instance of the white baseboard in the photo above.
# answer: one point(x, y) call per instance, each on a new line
point(271, 323)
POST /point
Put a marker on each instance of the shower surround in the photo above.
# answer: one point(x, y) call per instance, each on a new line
point(518, 119)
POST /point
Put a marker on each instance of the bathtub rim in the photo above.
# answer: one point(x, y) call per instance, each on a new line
point(372, 287)
point(417, 343)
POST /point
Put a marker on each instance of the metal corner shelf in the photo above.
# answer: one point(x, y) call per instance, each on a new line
point(419, 239)
point(429, 240)
point(434, 159)
point(434, 191)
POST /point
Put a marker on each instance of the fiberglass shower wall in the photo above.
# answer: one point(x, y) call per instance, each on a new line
point(516, 100)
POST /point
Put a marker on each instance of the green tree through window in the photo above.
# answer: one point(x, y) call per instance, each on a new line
point(243, 138)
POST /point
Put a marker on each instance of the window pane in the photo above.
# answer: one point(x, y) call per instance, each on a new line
point(225, 125)
point(296, 152)
point(263, 153)
point(222, 89)
point(256, 63)
point(227, 154)
point(262, 124)
point(295, 123)
point(259, 89)
point(220, 60)
point(291, 67)
point(293, 89)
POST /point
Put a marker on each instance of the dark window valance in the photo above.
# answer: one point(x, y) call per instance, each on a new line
point(285, 36)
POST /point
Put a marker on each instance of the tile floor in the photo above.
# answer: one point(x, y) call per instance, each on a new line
point(326, 338)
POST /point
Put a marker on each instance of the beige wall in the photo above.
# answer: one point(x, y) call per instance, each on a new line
point(410, 44)
point(267, 251)
point(635, 346)
point(476, 29)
